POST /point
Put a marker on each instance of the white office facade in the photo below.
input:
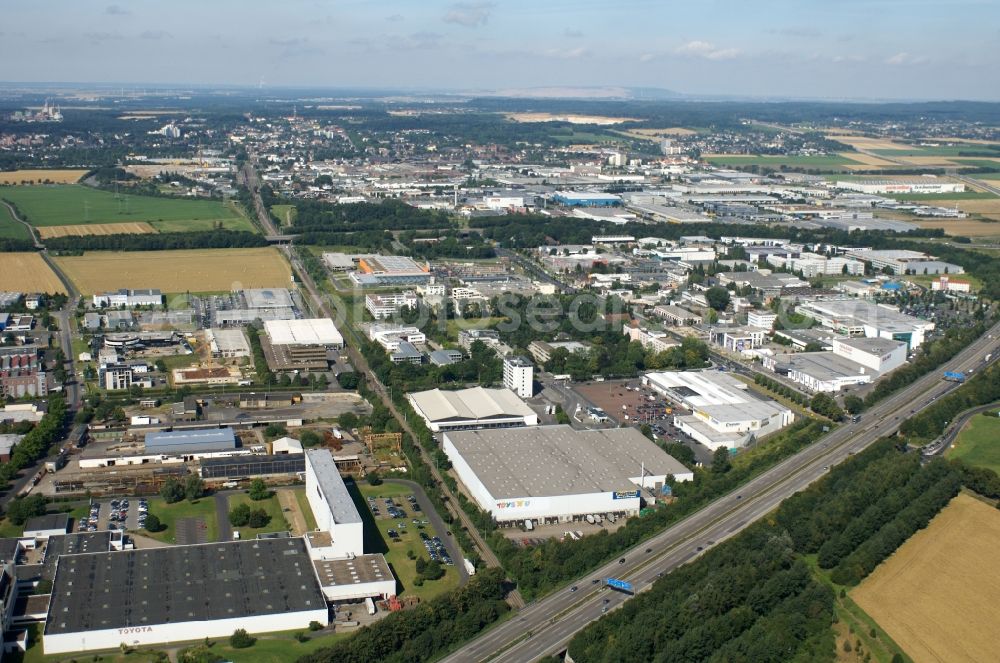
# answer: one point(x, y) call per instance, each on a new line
point(518, 376)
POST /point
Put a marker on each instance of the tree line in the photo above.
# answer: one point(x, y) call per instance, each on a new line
point(35, 445)
point(753, 598)
point(426, 631)
point(208, 239)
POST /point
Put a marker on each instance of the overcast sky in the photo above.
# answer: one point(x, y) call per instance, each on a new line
point(913, 49)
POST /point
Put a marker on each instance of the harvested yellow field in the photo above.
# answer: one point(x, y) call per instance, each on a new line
point(966, 227)
point(66, 176)
point(937, 595)
point(865, 160)
point(198, 270)
point(928, 161)
point(136, 228)
point(27, 272)
point(974, 205)
point(867, 143)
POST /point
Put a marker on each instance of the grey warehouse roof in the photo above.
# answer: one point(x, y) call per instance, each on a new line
point(557, 460)
point(192, 441)
point(151, 586)
point(332, 487)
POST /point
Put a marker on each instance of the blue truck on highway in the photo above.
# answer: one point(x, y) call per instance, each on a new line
point(954, 376)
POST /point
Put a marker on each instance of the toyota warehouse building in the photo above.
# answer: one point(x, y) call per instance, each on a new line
point(554, 474)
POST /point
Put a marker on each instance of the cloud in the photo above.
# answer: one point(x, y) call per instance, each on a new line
point(839, 59)
point(116, 10)
point(423, 39)
point(101, 37)
point(707, 50)
point(570, 54)
point(291, 41)
point(574, 34)
point(394, 18)
point(904, 58)
point(155, 34)
point(469, 14)
point(803, 32)
point(295, 47)
point(647, 57)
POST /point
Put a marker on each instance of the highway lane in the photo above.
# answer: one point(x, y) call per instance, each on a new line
point(553, 620)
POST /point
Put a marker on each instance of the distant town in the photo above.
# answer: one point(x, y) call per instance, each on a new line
point(276, 367)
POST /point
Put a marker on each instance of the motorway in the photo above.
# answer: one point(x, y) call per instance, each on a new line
point(546, 626)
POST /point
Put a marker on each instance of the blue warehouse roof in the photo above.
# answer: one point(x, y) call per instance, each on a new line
point(193, 441)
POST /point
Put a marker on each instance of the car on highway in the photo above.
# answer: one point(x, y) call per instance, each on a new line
point(573, 588)
point(621, 561)
point(649, 550)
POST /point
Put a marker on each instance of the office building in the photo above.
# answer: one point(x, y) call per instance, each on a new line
point(518, 376)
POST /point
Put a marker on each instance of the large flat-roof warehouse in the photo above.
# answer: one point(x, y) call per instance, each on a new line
point(471, 408)
point(205, 440)
point(179, 593)
point(557, 474)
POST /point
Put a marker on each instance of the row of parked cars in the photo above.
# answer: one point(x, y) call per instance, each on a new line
point(118, 516)
point(436, 550)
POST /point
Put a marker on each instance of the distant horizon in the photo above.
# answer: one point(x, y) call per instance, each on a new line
point(784, 49)
point(525, 94)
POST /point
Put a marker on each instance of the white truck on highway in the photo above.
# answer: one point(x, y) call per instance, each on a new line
point(470, 568)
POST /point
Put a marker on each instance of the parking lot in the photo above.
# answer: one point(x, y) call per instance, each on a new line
point(407, 515)
point(626, 402)
point(122, 514)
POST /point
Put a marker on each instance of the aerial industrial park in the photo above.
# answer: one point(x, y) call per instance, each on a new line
point(324, 374)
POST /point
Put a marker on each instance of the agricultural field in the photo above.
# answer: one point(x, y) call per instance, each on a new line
point(134, 228)
point(979, 442)
point(967, 227)
point(27, 272)
point(936, 595)
point(825, 162)
point(62, 176)
point(74, 204)
point(988, 206)
point(9, 228)
point(197, 270)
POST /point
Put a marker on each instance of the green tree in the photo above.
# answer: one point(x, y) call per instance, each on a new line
point(172, 491)
point(718, 297)
point(721, 461)
point(240, 639)
point(853, 404)
point(823, 404)
point(348, 380)
point(309, 438)
point(348, 420)
point(153, 523)
point(258, 518)
point(259, 490)
point(21, 509)
point(239, 515)
point(194, 487)
point(433, 570)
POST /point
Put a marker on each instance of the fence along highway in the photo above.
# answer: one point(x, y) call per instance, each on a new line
point(546, 626)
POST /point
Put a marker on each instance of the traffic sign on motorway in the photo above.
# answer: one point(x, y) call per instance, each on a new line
point(621, 585)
